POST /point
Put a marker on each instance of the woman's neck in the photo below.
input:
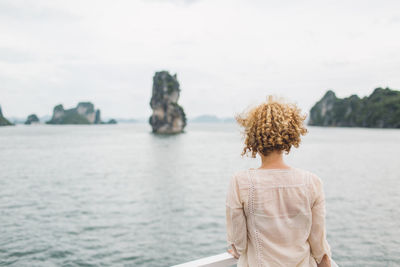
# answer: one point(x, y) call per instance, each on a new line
point(273, 160)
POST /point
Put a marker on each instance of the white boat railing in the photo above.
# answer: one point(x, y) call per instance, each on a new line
point(220, 260)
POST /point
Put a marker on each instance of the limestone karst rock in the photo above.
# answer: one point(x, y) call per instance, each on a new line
point(84, 113)
point(381, 109)
point(168, 116)
point(32, 119)
point(4, 121)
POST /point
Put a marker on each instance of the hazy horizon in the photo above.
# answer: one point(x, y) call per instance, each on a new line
point(123, 119)
point(227, 54)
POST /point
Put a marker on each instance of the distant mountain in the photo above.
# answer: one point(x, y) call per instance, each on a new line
point(45, 118)
point(208, 118)
point(381, 109)
point(228, 119)
point(19, 120)
point(205, 118)
point(16, 120)
point(128, 120)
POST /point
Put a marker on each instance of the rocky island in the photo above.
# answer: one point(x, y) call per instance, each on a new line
point(4, 121)
point(381, 109)
point(84, 113)
point(168, 116)
point(32, 119)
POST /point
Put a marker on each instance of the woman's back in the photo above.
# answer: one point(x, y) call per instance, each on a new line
point(283, 211)
point(276, 214)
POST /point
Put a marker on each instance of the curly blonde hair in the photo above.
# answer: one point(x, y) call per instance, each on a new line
point(271, 126)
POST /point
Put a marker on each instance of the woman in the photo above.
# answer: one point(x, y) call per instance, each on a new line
point(275, 214)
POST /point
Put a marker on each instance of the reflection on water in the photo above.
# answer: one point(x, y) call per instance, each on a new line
point(119, 195)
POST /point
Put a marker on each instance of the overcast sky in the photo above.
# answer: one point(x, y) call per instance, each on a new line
point(227, 54)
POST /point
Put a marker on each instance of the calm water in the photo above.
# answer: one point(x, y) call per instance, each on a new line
point(116, 195)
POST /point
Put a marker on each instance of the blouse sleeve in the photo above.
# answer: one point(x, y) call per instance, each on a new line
point(317, 239)
point(235, 218)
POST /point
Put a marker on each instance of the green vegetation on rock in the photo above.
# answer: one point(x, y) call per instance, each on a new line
point(74, 118)
point(4, 121)
point(33, 118)
point(84, 113)
point(379, 110)
point(112, 121)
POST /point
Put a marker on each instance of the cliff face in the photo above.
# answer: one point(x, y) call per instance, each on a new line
point(84, 113)
point(381, 109)
point(4, 121)
point(32, 119)
point(168, 117)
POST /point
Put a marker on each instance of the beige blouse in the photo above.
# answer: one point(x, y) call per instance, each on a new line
point(276, 217)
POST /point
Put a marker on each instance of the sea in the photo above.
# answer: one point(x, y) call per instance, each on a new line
point(118, 195)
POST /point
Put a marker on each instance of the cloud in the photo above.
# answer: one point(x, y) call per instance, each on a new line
point(12, 55)
point(395, 19)
point(176, 2)
point(32, 10)
point(227, 53)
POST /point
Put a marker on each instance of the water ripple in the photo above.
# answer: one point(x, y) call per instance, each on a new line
point(120, 196)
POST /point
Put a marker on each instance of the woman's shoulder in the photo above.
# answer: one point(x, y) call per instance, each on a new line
point(241, 177)
point(240, 174)
point(310, 176)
